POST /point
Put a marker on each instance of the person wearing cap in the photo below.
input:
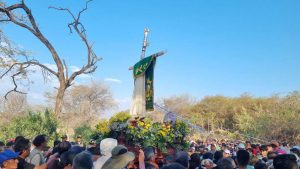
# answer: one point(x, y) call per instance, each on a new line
point(79, 141)
point(226, 153)
point(92, 143)
point(208, 164)
point(8, 159)
point(120, 158)
point(241, 146)
point(64, 138)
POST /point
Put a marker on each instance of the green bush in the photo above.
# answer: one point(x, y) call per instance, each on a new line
point(86, 133)
point(31, 125)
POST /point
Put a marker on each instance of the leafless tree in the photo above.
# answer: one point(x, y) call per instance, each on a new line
point(85, 104)
point(19, 67)
point(16, 105)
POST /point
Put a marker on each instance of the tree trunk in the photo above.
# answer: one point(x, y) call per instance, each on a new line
point(59, 100)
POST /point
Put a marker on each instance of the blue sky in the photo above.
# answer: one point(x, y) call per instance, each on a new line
point(214, 47)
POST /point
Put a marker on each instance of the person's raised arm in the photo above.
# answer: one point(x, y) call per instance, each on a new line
point(141, 159)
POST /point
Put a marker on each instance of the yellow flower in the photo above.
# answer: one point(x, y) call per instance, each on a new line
point(141, 123)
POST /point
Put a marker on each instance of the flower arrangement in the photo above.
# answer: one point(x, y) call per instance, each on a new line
point(139, 132)
point(142, 132)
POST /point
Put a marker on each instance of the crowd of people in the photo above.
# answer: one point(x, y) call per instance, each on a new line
point(22, 153)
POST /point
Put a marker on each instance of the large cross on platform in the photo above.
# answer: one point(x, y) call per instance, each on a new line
point(143, 73)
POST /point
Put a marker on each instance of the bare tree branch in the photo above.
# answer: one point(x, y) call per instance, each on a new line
point(33, 29)
point(79, 28)
point(15, 89)
point(63, 9)
point(5, 20)
point(28, 63)
point(28, 22)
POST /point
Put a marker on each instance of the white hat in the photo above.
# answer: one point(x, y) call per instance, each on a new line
point(106, 145)
point(207, 162)
point(226, 151)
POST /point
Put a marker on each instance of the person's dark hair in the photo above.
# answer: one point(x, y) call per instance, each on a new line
point(9, 144)
point(182, 158)
point(225, 163)
point(95, 150)
point(260, 165)
point(83, 160)
point(253, 146)
point(169, 159)
point(56, 143)
point(202, 146)
point(195, 161)
point(217, 156)
point(272, 154)
point(286, 161)
point(39, 140)
point(193, 144)
point(264, 148)
point(21, 145)
point(67, 158)
point(63, 147)
point(76, 149)
point(2, 143)
point(55, 150)
point(208, 155)
point(149, 153)
point(242, 157)
point(284, 144)
point(173, 166)
point(19, 138)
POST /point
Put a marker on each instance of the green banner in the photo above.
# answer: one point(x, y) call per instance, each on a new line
point(149, 89)
point(141, 66)
point(146, 67)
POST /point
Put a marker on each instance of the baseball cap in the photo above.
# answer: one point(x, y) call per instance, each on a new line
point(7, 155)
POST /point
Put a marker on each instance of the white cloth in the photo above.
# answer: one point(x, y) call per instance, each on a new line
point(138, 105)
point(106, 145)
